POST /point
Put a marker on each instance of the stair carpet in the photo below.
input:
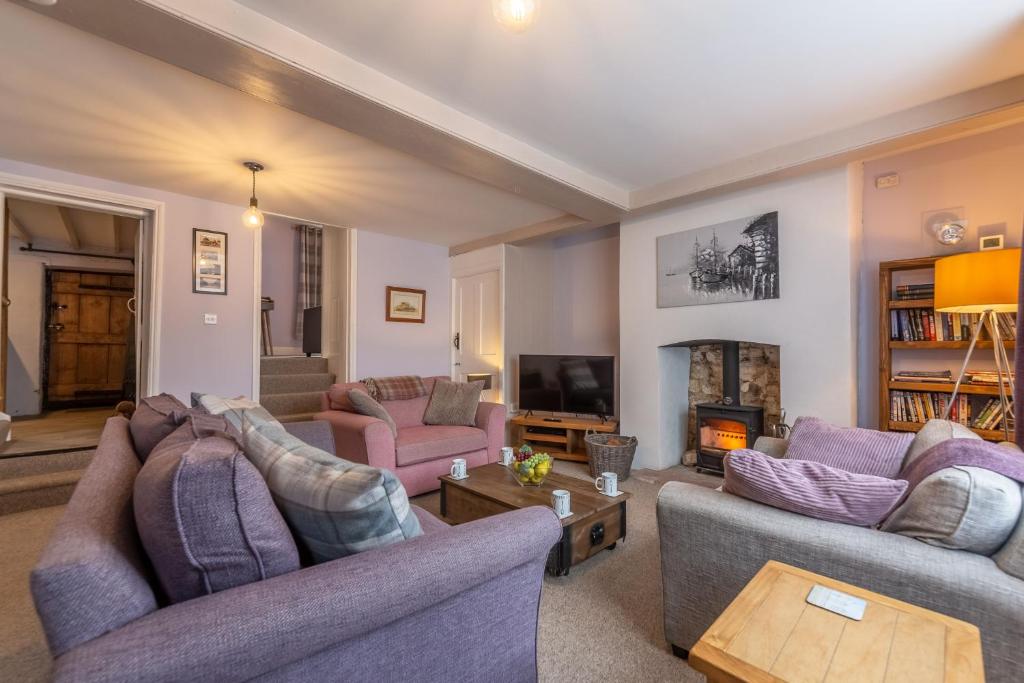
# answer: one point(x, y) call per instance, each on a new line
point(29, 482)
point(291, 386)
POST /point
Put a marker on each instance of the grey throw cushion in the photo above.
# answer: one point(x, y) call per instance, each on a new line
point(964, 508)
point(154, 418)
point(1010, 557)
point(364, 404)
point(933, 433)
point(206, 517)
point(453, 403)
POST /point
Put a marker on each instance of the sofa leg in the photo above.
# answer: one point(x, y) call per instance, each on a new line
point(680, 652)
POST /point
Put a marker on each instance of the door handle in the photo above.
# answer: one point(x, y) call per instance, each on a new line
point(60, 307)
point(458, 340)
point(130, 305)
point(57, 327)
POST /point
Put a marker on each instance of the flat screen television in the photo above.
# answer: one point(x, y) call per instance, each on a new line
point(567, 384)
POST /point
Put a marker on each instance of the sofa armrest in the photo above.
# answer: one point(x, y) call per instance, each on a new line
point(360, 438)
point(314, 432)
point(769, 445)
point(490, 417)
point(712, 544)
point(245, 632)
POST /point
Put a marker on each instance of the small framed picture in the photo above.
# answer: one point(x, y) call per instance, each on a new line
point(990, 242)
point(209, 261)
point(406, 305)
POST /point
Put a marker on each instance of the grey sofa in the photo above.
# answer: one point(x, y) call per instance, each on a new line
point(459, 603)
point(712, 544)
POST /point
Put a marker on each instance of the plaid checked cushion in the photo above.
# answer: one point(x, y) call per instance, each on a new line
point(233, 409)
point(399, 388)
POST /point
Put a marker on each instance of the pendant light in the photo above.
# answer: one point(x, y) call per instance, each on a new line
point(253, 217)
point(515, 15)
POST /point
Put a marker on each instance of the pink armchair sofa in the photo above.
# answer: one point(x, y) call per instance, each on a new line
point(420, 453)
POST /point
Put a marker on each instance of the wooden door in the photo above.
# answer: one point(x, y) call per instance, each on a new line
point(476, 324)
point(88, 331)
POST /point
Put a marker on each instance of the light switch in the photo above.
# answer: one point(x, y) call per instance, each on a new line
point(210, 318)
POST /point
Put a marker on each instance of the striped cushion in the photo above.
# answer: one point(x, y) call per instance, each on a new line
point(811, 489)
point(861, 451)
point(334, 507)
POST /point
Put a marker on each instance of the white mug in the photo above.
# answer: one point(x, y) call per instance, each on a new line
point(560, 502)
point(459, 468)
point(608, 483)
point(508, 455)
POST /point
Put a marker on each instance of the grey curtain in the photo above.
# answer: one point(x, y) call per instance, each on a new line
point(311, 240)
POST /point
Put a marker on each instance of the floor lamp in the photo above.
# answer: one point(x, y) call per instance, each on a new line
point(983, 282)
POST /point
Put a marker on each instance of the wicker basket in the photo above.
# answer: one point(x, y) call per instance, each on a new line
point(610, 453)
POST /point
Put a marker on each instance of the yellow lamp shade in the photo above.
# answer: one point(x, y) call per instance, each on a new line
point(978, 281)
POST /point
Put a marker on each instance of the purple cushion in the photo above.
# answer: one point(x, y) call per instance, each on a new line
point(206, 518)
point(154, 418)
point(861, 451)
point(811, 488)
point(419, 444)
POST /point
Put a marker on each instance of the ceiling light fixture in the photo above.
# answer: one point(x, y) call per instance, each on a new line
point(253, 217)
point(515, 15)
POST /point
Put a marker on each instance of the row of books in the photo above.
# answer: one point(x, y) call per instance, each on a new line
point(924, 324)
point(918, 406)
point(984, 377)
point(925, 291)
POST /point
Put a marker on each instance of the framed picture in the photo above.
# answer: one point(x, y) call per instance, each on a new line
point(209, 262)
point(406, 305)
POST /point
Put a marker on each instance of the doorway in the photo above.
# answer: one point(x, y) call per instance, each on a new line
point(477, 347)
point(70, 344)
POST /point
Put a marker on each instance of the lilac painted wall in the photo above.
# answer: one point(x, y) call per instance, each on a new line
point(586, 293)
point(385, 348)
point(280, 280)
point(983, 174)
point(193, 356)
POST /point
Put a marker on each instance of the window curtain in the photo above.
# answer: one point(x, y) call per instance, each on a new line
point(311, 240)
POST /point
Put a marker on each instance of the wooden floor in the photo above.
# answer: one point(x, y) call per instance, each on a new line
point(71, 429)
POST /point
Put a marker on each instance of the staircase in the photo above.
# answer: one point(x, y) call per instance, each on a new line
point(290, 386)
point(28, 482)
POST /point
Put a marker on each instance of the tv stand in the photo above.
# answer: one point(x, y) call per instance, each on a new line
point(562, 438)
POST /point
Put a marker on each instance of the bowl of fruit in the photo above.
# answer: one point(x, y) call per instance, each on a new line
point(530, 468)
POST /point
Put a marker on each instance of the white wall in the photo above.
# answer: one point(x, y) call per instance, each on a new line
point(280, 281)
point(27, 288)
point(388, 348)
point(812, 322)
point(193, 356)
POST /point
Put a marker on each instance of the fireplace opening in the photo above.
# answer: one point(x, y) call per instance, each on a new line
point(719, 434)
point(722, 428)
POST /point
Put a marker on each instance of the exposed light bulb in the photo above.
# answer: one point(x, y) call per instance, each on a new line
point(515, 15)
point(252, 218)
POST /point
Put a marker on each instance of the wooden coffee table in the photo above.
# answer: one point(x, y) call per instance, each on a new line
point(598, 522)
point(770, 633)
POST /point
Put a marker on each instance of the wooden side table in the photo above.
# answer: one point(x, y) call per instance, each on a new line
point(770, 633)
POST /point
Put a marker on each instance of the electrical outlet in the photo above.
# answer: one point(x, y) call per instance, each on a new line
point(884, 182)
point(209, 318)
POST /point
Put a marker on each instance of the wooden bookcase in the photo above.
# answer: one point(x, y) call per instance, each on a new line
point(562, 439)
point(887, 347)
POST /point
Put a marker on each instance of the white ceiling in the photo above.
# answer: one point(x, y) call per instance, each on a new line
point(640, 92)
point(96, 108)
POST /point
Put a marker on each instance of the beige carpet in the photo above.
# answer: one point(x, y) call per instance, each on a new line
point(602, 622)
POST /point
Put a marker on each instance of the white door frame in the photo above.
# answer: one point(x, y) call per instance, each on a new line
point(151, 214)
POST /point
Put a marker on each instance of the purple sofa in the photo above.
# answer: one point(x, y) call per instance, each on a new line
point(420, 453)
point(404, 612)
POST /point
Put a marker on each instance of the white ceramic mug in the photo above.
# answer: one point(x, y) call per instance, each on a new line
point(459, 468)
point(508, 455)
point(608, 483)
point(560, 502)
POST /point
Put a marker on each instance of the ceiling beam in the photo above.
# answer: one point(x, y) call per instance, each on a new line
point(18, 229)
point(553, 227)
point(69, 227)
point(233, 45)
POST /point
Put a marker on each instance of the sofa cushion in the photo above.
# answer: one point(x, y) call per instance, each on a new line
point(935, 432)
point(409, 413)
point(861, 451)
point(206, 518)
point(334, 507)
point(963, 508)
point(432, 442)
point(364, 404)
point(811, 488)
point(1010, 558)
point(337, 395)
point(397, 388)
point(453, 403)
point(154, 418)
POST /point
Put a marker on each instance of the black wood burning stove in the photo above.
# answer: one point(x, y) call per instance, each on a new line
point(727, 425)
